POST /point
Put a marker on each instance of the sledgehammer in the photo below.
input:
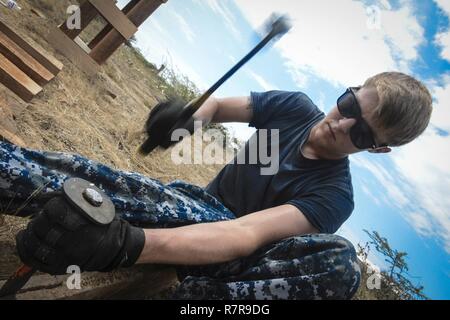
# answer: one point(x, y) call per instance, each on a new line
point(278, 26)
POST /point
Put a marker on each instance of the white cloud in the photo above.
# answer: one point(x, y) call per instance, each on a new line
point(299, 77)
point(335, 40)
point(184, 27)
point(369, 193)
point(261, 81)
point(422, 223)
point(443, 38)
point(441, 108)
point(398, 198)
point(156, 44)
point(385, 4)
point(403, 31)
point(424, 165)
point(221, 10)
point(186, 69)
point(444, 5)
point(232, 58)
point(153, 41)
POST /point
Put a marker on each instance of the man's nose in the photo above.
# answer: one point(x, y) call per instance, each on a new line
point(346, 124)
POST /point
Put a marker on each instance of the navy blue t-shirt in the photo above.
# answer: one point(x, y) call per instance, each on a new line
point(320, 189)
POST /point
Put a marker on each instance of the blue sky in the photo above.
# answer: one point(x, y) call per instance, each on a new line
point(333, 45)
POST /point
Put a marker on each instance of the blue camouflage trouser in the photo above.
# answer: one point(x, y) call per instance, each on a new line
point(319, 266)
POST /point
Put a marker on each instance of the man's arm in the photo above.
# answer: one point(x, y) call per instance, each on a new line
point(236, 109)
point(216, 242)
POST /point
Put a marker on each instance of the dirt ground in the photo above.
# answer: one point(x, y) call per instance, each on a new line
point(99, 117)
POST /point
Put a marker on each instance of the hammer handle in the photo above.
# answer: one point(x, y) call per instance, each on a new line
point(192, 108)
point(17, 281)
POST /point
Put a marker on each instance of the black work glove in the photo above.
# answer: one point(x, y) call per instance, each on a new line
point(61, 236)
point(161, 122)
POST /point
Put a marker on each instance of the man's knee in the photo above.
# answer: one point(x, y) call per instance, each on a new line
point(345, 274)
point(330, 261)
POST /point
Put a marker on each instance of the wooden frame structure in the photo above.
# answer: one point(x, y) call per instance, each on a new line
point(122, 25)
point(24, 67)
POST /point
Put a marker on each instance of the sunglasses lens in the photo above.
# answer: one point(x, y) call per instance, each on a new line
point(361, 136)
point(360, 133)
point(348, 106)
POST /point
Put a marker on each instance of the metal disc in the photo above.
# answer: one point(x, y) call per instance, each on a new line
point(73, 190)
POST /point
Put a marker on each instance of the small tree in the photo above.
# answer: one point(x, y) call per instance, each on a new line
point(394, 282)
point(394, 258)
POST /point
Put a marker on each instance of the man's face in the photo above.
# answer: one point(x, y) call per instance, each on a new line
point(333, 132)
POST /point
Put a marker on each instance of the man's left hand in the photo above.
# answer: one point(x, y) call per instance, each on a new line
point(61, 236)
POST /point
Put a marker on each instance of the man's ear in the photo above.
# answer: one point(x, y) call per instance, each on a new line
point(380, 150)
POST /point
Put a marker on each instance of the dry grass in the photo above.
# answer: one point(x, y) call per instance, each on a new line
point(79, 114)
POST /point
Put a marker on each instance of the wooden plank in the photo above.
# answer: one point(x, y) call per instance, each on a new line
point(72, 51)
point(17, 81)
point(9, 107)
point(134, 283)
point(88, 13)
point(6, 135)
point(115, 17)
point(24, 61)
point(38, 13)
point(108, 27)
point(82, 45)
point(113, 40)
point(45, 59)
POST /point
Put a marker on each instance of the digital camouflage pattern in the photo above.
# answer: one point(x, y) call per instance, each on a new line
point(319, 266)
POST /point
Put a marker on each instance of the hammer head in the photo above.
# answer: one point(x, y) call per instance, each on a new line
point(278, 25)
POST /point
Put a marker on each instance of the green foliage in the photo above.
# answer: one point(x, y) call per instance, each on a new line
point(178, 86)
point(395, 259)
point(394, 282)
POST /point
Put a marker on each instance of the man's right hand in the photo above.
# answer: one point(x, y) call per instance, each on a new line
point(161, 122)
point(60, 236)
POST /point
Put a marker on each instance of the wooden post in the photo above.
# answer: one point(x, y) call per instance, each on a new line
point(88, 13)
point(122, 25)
point(115, 17)
point(113, 39)
point(73, 51)
point(108, 27)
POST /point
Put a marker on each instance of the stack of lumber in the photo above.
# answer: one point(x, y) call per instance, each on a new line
point(24, 68)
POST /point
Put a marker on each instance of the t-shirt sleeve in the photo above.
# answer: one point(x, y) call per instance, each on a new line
point(326, 210)
point(280, 106)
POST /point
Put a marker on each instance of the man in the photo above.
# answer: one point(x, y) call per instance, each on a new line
point(247, 236)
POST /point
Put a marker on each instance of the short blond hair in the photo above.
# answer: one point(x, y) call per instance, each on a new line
point(404, 108)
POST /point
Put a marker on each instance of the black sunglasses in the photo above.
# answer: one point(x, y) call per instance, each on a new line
point(360, 134)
